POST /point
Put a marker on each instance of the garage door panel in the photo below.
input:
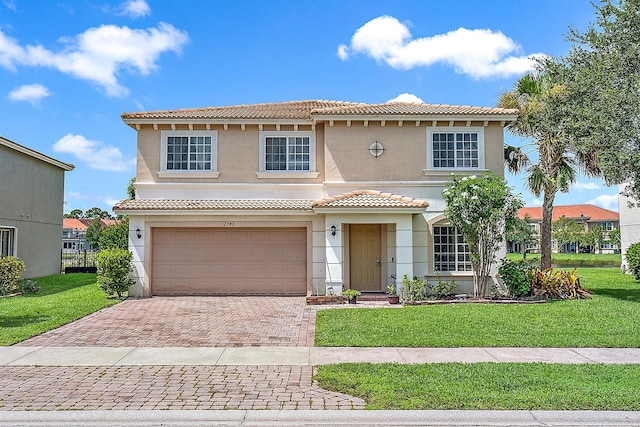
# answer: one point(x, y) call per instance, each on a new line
point(225, 261)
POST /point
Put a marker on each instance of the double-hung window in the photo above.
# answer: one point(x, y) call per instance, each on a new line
point(449, 148)
point(288, 153)
point(7, 242)
point(450, 251)
point(189, 151)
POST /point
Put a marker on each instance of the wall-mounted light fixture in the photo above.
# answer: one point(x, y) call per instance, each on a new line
point(138, 233)
point(333, 230)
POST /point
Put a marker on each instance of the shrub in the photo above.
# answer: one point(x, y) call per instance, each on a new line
point(442, 288)
point(114, 267)
point(414, 290)
point(633, 258)
point(29, 286)
point(11, 269)
point(115, 236)
point(517, 276)
point(558, 284)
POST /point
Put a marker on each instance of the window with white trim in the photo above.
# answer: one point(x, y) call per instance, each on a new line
point(7, 244)
point(450, 251)
point(287, 151)
point(451, 148)
point(189, 151)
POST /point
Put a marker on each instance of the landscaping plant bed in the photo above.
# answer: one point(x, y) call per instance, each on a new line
point(476, 301)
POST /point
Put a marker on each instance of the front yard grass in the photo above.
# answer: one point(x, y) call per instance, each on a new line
point(577, 260)
point(63, 299)
point(609, 319)
point(490, 386)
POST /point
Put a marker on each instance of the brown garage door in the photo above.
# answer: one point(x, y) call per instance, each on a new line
point(229, 261)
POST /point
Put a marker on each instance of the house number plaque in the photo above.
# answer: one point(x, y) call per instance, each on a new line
point(229, 224)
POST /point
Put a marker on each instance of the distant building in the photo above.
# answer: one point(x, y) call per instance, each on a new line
point(588, 215)
point(74, 233)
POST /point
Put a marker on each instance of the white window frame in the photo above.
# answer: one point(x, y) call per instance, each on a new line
point(163, 172)
point(13, 246)
point(456, 235)
point(455, 129)
point(286, 174)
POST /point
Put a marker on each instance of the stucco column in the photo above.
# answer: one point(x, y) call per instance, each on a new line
point(334, 255)
point(136, 246)
point(404, 249)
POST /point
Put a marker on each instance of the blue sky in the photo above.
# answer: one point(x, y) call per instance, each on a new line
point(68, 69)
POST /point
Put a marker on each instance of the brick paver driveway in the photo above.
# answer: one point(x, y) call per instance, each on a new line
point(177, 322)
point(190, 322)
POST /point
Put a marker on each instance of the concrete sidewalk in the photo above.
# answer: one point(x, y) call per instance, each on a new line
point(301, 356)
point(320, 418)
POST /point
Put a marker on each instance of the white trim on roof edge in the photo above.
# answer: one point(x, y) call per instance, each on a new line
point(35, 154)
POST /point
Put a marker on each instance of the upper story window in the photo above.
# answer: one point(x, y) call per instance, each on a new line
point(7, 246)
point(287, 154)
point(455, 148)
point(189, 151)
point(606, 225)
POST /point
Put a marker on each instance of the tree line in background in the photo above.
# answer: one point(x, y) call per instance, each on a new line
point(581, 112)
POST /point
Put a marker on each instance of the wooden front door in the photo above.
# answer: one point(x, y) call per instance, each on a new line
point(365, 257)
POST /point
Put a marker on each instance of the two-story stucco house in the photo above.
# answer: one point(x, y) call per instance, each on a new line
point(304, 197)
point(31, 204)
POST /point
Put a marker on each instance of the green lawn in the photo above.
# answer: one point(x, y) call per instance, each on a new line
point(577, 260)
point(609, 319)
point(63, 299)
point(517, 386)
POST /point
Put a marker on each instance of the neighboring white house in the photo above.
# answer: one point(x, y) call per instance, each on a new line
point(629, 224)
point(303, 197)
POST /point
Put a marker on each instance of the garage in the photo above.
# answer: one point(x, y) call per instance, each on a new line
point(229, 261)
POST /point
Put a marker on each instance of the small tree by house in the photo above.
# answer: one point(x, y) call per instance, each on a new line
point(566, 231)
point(93, 233)
point(482, 208)
point(522, 234)
point(114, 268)
point(598, 237)
point(614, 237)
point(115, 236)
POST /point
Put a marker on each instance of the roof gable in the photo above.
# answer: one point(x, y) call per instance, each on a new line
point(370, 199)
point(35, 154)
point(315, 109)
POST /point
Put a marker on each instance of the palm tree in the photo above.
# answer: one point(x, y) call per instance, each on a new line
point(549, 160)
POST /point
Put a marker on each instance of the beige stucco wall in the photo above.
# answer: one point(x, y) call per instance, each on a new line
point(32, 194)
point(405, 151)
point(238, 155)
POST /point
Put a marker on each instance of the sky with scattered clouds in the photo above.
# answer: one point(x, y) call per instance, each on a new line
point(70, 68)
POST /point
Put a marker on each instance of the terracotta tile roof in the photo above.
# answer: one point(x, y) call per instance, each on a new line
point(355, 199)
point(370, 199)
point(411, 109)
point(212, 205)
point(590, 212)
point(306, 110)
point(83, 223)
point(278, 110)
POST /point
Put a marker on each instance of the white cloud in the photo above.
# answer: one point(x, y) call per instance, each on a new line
point(10, 4)
point(94, 153)
point(606, 201)
point(585, 186)
point(536, 202)
point(479, 53)
point(407, 97)
point(99, 54)
point(343, 52)
point(31, 93)
point(135, 8)
point(111, 201)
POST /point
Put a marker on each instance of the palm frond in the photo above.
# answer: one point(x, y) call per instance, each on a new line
point(515, 159)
